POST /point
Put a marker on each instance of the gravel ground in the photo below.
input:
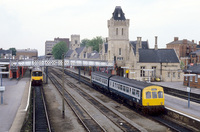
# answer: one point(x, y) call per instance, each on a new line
point(71, 123)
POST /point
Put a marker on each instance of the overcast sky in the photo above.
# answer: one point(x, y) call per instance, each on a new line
point(29, 23)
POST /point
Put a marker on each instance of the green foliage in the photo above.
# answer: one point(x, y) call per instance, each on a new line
point(94, 43)
point(59, 49)
point(13, 51)
point(182, 65)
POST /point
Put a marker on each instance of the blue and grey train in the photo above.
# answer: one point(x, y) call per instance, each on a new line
point(144, 96)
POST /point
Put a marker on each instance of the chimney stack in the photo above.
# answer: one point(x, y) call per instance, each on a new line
point(192, 41)
point(184, 41)
point(175, 38)
point(156, 46)
point(199, 42)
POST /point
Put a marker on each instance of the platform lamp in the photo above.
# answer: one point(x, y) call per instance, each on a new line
point(188, 88)
point(63, 106)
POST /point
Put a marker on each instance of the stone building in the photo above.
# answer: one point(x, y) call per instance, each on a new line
point(134, 59)
point(26, 54)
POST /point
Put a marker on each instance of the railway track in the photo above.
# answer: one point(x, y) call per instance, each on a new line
point(89, 123)
point(116, 119)
point(161, 118)
point(40, 115)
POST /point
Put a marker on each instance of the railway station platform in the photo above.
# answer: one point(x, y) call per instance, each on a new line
point(14, 107)
point(171, 102)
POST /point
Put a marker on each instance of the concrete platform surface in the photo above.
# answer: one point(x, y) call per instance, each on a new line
point(12, 98)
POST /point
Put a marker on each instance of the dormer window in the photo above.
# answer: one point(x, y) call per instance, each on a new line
point(119, 15)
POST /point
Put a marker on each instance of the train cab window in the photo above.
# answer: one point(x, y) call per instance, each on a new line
point(37, 74)
point(133, 91)
point(148, 95)
point(124, 88)
point(154, 95)
point(160, 94)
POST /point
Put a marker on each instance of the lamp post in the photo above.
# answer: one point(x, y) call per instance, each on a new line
point(63, 107)
point(188, 88)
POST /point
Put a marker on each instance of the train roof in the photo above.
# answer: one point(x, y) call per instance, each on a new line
point(131, 82)
point(102, 74)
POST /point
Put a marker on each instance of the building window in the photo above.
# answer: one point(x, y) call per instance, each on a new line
point(119, 58)
point(174, 74)
point(196, 78)
point(186, 78)
point(154, 71)
point(76, 41)
point(168, 74)
point(142, 72)
point(191, 78)
point(120, 51)
point(119, 15)
point(122, 31)
point(178, 75)
point(116, 31)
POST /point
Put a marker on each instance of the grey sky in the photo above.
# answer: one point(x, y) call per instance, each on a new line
point(29, 23)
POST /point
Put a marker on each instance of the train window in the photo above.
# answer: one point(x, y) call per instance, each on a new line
point(124, 88)
point(154, 95)
point(133, 91)
point(137, 93)
point(127, 89)
point(120, 86)
point(160, 94)
point(148, 95)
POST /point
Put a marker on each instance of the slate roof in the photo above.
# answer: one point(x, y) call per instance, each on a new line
point(69, 52)
point(197, 52)
point(194, 69)
point(94, 55)
point(79, 50)
point(144, 45)
point(118, 14)
point(158, 56)
point(5, 51)
point(198, 46)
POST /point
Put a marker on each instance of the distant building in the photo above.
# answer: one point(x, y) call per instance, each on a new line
point(134, 59)
point(50, 44)
point(5, 54)
point(26, 54)
point(193, 80)
point(183, 49)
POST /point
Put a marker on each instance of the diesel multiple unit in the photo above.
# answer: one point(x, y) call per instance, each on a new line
point(144, 96)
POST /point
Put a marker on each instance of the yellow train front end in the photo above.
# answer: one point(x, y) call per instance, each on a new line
point(36, 77)
point(153, 99)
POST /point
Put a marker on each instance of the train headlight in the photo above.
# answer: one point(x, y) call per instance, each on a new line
point(148, 103)
point(161, 103)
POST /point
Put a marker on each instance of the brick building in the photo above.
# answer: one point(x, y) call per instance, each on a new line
point(25, 54)
point(194, 80)
point(183, 49)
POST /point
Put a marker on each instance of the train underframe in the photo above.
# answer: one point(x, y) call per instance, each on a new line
point(145, 109)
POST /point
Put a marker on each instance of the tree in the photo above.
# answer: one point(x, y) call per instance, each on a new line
point(13, 51)
point(95, 42)
point(59, 49)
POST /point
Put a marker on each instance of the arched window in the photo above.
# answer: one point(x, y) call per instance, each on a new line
point(122, 31)
point(116, 31)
